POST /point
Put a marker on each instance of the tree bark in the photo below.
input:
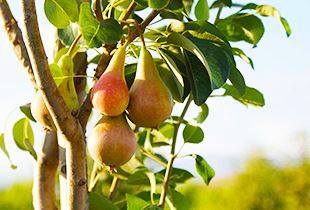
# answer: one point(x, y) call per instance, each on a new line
point(67, 126)
point(16, 38)
point(43, 190)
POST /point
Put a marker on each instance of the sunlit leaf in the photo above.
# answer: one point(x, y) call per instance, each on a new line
point(177, 201)
point(267, 10)
point(96, 33)
point(242, 26)
point(250, 97)
point(57, 73)
point(23, 136)
point(61, 12)
point(135, 203)
point(178, 175)
point(238, 52)
point(204, 169)
point(98, 202)
point(182, 41)
point(237, 80)
point(157, 5)
point(193, 134)
point(27, 111)
point(202, 10)
point(286, 26)
point(4, 150)
point(203, 113)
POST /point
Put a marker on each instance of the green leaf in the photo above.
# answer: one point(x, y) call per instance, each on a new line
point(178, 175)
point(177, 56)
point(157, 5)
point(98, 202)
point(61, 12)
point(57, 73)
point(238, 52)
point(135, 203)
point(164, 133)
point(4, 150)
point(249, 6)
point(217, 59)
point(205, 30)
point(67, 35)
point(182, 41)
point(171, 77)
point(177, 201)
point(59, 54)
point(204, 169)
point(138, 178)
point(27, 111)
point(242, 27)
point(23, 136)
point(152, 207)
point(187, 4)
point(193, 134)
point(202, 10)
point(96, 33)
point(199, 79)
point(203, 113)
point(237, 80)
point(250, 97)
point(286, 26)
point(267, 10)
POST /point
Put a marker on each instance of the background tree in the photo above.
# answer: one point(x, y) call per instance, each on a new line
point(194, 57)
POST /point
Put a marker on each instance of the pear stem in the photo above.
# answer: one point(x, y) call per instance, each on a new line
point(114, 184)
point(92, 182)
point(74, 43)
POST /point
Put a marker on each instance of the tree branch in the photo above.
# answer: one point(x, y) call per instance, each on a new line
point(172, 155)
point(16, 38)
point(68, 127)
point(43, 190)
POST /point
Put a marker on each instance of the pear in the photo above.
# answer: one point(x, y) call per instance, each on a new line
point(150, 100)
point(110, 93)
point(40, 112)
point(66, 87)
point(66, 90)
point(112, 141)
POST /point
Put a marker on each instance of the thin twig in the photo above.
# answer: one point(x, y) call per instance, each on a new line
point(172, 155)
point(97, 9)
point(153, 157)
point(113, 187)
point(16, 38)
point(217, 18)
point(128, 12)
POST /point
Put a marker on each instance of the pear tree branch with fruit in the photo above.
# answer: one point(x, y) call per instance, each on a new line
point(118, 69)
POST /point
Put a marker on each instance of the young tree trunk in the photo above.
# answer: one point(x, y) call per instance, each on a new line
point(43, 190)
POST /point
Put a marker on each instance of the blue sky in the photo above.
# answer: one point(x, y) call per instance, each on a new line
point(232, 131)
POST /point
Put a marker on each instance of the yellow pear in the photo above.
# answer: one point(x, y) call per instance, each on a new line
point(150, 100)
point(112, 141)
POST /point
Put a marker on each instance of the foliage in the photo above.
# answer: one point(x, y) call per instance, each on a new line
point(262, 185)
point(16, 197)
point(194, 56)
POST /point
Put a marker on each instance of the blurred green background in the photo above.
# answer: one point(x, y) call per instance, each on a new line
point(261, 185)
